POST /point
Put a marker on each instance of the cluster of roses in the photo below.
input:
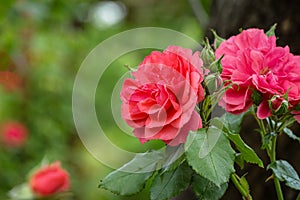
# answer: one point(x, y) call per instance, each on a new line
point(259, 72)
point(159, 103)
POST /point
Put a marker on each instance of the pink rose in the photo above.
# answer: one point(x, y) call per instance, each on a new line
point(49, 180)
point(252, 61)
point(159, 103)
point(13, 134)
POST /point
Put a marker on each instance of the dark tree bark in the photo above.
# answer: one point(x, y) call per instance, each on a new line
point(227, 17)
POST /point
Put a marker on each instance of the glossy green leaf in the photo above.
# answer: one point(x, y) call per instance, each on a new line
point(210, 154)
point(171, 183)
point(132, 177)
point(207, 190)
point(285, 172)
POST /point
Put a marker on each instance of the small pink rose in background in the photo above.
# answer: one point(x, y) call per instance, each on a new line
point(252, 61)
point(159, 102)
point(49, 180)
point(13, 134)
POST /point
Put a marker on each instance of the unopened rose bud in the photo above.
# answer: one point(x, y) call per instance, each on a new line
point(49, 180)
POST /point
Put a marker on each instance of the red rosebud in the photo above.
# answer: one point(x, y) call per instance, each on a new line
point(13, 134)
point(49, 180)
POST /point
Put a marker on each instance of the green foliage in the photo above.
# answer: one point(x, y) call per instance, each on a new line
point(210, 154)
point(131, 178)
point(271, 31)
point(171, 183)
point(218, 40)
point(231, 125)
point(207, 190)
point(233, 122)
point(244, 184)
point(257, 97)
point(267, 139)
point(174, 156)
point(290, 133)
point(207, 55)
point(285, 172)
point(247, 153)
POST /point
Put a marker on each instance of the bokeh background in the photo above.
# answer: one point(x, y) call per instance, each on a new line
point(43, 44)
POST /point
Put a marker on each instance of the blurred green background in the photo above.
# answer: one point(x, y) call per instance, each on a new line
point(44, 43)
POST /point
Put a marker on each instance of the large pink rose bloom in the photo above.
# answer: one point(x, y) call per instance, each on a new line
point(159, 103)
point(252, 61)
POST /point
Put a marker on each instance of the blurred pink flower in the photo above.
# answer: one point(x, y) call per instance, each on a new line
point(252, 61)
point(13, 134)
point(159, 103)
point(49, 180)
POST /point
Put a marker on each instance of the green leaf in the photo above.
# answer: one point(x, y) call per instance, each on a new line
point(207, 190)
point(239, 160)
point(132, 177)
point(218, 39)
point(210, 154)
point(174, 156)
point(171, 183)
point(271, 31)
point(290, 133)
point(285, 172)
point(257, 97)
point(244, 184)
point(233, 122)
point(247, 153)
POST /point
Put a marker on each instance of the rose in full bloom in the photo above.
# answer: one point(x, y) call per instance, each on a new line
point(13, 134)
point(159, 102)
point(253, 62)
point(49, 180)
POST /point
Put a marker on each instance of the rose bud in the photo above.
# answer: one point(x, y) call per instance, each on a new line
point(49, 180)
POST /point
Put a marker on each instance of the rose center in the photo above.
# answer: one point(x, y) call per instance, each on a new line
point(264, 71)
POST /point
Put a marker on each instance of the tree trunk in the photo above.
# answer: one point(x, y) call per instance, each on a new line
point(228, 16)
